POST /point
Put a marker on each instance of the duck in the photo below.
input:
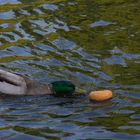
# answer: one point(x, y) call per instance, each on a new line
point(17, 84)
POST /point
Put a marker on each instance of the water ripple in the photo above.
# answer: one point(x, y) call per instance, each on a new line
point(95, 45)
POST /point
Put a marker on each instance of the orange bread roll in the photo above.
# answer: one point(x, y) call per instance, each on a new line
point(101, 95)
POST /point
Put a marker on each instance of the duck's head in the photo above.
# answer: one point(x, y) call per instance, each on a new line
point(63, 88)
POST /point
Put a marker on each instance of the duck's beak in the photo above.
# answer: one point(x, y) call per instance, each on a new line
point(79, 91)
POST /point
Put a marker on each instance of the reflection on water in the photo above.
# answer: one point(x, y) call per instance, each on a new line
point(95, 44)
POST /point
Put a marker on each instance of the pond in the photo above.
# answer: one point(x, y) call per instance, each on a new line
point(93, 43)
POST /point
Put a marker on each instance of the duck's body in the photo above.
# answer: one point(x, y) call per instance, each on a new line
point(16, 84)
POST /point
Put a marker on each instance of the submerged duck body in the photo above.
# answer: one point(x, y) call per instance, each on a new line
point(16, 84)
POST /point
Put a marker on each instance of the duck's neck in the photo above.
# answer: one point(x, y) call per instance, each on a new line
point(45, 89)
point(39, 90)
point(35, 88)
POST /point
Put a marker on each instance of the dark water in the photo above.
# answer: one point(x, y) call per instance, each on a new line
point(93, 43)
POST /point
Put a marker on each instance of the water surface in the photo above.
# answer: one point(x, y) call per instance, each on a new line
point(93, 43)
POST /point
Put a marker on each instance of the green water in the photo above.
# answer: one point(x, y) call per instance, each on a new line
point(93, 43)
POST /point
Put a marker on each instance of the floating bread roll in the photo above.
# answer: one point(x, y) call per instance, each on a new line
point(101, 95)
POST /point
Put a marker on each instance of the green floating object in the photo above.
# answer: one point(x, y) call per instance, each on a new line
point(61, 88)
